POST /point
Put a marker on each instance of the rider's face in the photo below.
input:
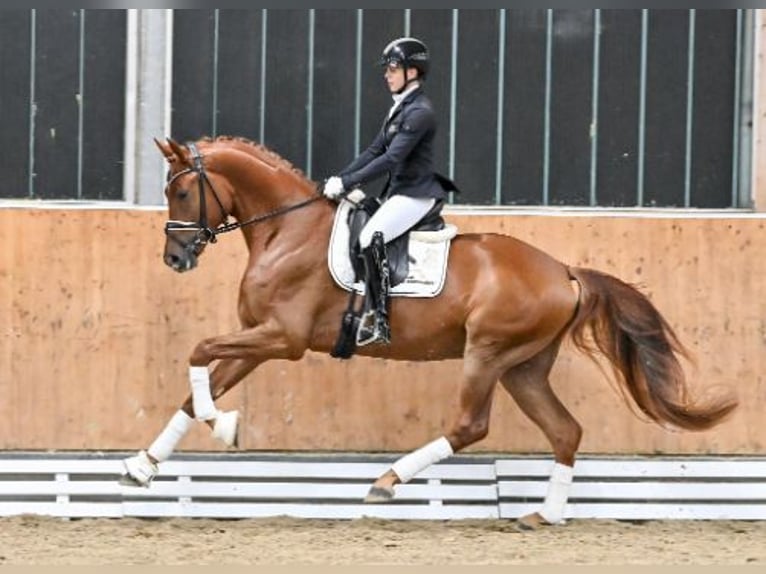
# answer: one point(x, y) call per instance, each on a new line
point(394, 75)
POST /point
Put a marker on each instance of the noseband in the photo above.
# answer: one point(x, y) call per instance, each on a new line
point(204, 233)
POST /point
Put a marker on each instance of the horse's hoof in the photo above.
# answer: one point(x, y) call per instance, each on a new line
point(533, 522)
point(127, 480)
point(139, 470)
point(378, 494)
point(530, 522)
point(226, 428)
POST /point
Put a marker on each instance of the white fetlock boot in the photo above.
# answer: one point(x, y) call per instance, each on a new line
point(226, 426)
point(139, 470)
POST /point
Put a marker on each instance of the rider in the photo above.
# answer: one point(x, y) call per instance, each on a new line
point(403, 149)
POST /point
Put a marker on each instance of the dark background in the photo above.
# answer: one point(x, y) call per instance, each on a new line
point(218, 56)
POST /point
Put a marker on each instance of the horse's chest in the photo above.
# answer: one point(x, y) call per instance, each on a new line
point(255, 300)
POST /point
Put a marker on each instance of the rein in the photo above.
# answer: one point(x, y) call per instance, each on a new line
point(206, 234)
point(223, 228)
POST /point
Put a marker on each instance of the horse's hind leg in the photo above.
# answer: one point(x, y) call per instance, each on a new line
point(528, 384)
point(472, 425)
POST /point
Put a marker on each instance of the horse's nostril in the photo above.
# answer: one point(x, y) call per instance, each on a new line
point(180, 261)
point(172, 260)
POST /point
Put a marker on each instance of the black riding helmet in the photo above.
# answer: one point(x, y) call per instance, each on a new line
point(407, 53)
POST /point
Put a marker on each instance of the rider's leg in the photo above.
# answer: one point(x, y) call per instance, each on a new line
point(397, 215)
point(373, 325)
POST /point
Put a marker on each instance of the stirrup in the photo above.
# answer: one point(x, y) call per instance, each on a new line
point(373, 328)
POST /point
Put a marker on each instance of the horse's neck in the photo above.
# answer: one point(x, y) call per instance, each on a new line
point(268, 193)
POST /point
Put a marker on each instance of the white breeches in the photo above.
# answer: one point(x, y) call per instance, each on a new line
point(397, 214)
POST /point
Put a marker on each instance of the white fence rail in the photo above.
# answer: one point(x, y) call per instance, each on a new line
point(645, 488)
point(479, 487)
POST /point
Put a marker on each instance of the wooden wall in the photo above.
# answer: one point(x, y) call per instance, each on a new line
point(96, 332)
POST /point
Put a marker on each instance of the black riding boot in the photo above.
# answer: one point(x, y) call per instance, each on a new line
point(373, 325)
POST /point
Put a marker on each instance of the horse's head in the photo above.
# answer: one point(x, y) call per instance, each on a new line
point(195, 206)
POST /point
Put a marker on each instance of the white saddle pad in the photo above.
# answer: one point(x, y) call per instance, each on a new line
point(428, 251)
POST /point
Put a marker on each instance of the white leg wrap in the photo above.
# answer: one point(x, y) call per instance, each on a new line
point(204, 408)
point(408, 466)
point(140, 468)
point(166, 442)
point(225, 427)
point(558, 493)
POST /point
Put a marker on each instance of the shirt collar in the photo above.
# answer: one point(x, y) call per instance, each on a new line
point(399, 98)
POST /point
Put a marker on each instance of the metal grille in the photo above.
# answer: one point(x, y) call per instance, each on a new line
point(539, 107)
point(63, 100)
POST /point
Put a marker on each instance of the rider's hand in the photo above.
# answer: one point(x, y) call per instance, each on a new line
point(356, 196)
point(333, 187)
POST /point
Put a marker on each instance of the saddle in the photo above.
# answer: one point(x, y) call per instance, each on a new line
point(397, 256)
point(397, 251)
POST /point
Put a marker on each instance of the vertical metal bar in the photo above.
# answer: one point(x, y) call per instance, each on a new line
point(642, 107)
point(131, 100)
point(750, 123)
point(216, 30)
point(32, 103)
point(500, 99)
point(736, 142)
point(547, 119)
point(310, 95)
point(148, 93)
point(80, 101)
point(594, 107)
point(358, 82)
point(169, 31)
point(453, 98)
point(264, 30)
point(689, 108)
point(407, 21)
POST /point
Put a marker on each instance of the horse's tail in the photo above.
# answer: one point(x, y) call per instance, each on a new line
point(643, 351)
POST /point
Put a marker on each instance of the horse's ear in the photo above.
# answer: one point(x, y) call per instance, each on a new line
point(179, 151)
point(165, 149)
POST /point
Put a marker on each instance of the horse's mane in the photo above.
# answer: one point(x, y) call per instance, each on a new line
point(263, 153)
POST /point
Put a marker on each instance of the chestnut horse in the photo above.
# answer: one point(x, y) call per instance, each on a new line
point(505, 309)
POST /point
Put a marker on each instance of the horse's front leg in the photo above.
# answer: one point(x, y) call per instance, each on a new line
point(226, 374)
point(257, 345)
point(239, 354)
point(142, 468)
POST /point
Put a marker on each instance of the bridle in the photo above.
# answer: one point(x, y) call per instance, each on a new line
point(204, 233)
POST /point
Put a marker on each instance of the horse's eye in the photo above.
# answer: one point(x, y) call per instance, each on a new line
point(182, 194)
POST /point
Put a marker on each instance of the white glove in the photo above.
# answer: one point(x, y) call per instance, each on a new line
point(333, 188)
point(356, 196)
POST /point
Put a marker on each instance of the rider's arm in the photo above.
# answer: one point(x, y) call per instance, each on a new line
point(376, 148)
point(416, 125)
